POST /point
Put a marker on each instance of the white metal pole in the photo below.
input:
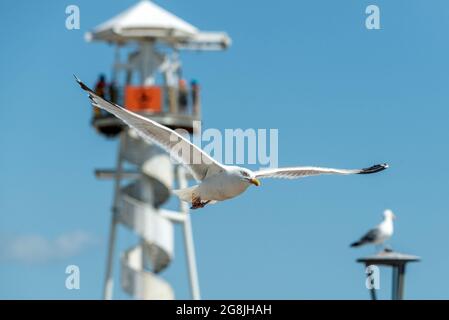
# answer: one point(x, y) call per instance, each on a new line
point(109, 280)
point(116, 63)
point(188, 239)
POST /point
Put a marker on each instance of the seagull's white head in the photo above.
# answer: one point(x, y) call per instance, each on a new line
point(246, 175)
point(388, 214)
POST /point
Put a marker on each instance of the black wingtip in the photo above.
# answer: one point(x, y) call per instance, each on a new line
point(374, 169)
point(82, 85)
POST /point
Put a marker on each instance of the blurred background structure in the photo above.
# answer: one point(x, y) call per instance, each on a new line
point(155, 88)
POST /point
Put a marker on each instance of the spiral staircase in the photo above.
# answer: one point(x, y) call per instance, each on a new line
point(139, 197)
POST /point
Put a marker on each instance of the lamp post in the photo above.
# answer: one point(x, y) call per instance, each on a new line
point(397, 261)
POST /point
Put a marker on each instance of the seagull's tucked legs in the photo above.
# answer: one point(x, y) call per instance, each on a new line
point(198, 203)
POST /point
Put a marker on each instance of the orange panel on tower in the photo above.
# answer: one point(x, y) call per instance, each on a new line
point(140, 99)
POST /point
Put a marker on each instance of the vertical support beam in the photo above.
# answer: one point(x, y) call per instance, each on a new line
point(109, 280)
point(188, 238)
point(401, 281)
point(372, 292)
point(172, 99)
point(196, 107)
point(116, 63)
point(394, 282)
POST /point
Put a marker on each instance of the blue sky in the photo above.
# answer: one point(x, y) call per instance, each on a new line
point(340, 95)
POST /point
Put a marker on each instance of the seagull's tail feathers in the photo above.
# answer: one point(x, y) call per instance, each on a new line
point(357, 244)
point(186, 194)
point(374, 169)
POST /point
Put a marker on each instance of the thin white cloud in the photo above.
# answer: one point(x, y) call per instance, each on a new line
point(33, 248)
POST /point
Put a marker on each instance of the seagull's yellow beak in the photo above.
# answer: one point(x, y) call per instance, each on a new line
point(255, 182)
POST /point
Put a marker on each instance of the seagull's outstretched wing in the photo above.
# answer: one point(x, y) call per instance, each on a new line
point(369, 237)
point(299, 172)
point(193, 158)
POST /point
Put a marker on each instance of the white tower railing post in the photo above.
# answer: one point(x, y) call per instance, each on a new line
point(109, 280)
point(188, 238)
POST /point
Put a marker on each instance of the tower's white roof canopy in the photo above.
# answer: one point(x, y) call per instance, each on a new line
point(146, 20)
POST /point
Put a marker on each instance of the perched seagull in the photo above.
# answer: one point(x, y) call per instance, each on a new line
point(217, 182)
point(380, 233)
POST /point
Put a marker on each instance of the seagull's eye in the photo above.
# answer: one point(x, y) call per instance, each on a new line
point(245, 174)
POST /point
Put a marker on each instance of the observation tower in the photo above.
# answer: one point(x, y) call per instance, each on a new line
point(147, 78)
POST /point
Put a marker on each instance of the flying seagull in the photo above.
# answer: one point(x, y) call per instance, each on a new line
point(217, 182)
point(380, 233)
